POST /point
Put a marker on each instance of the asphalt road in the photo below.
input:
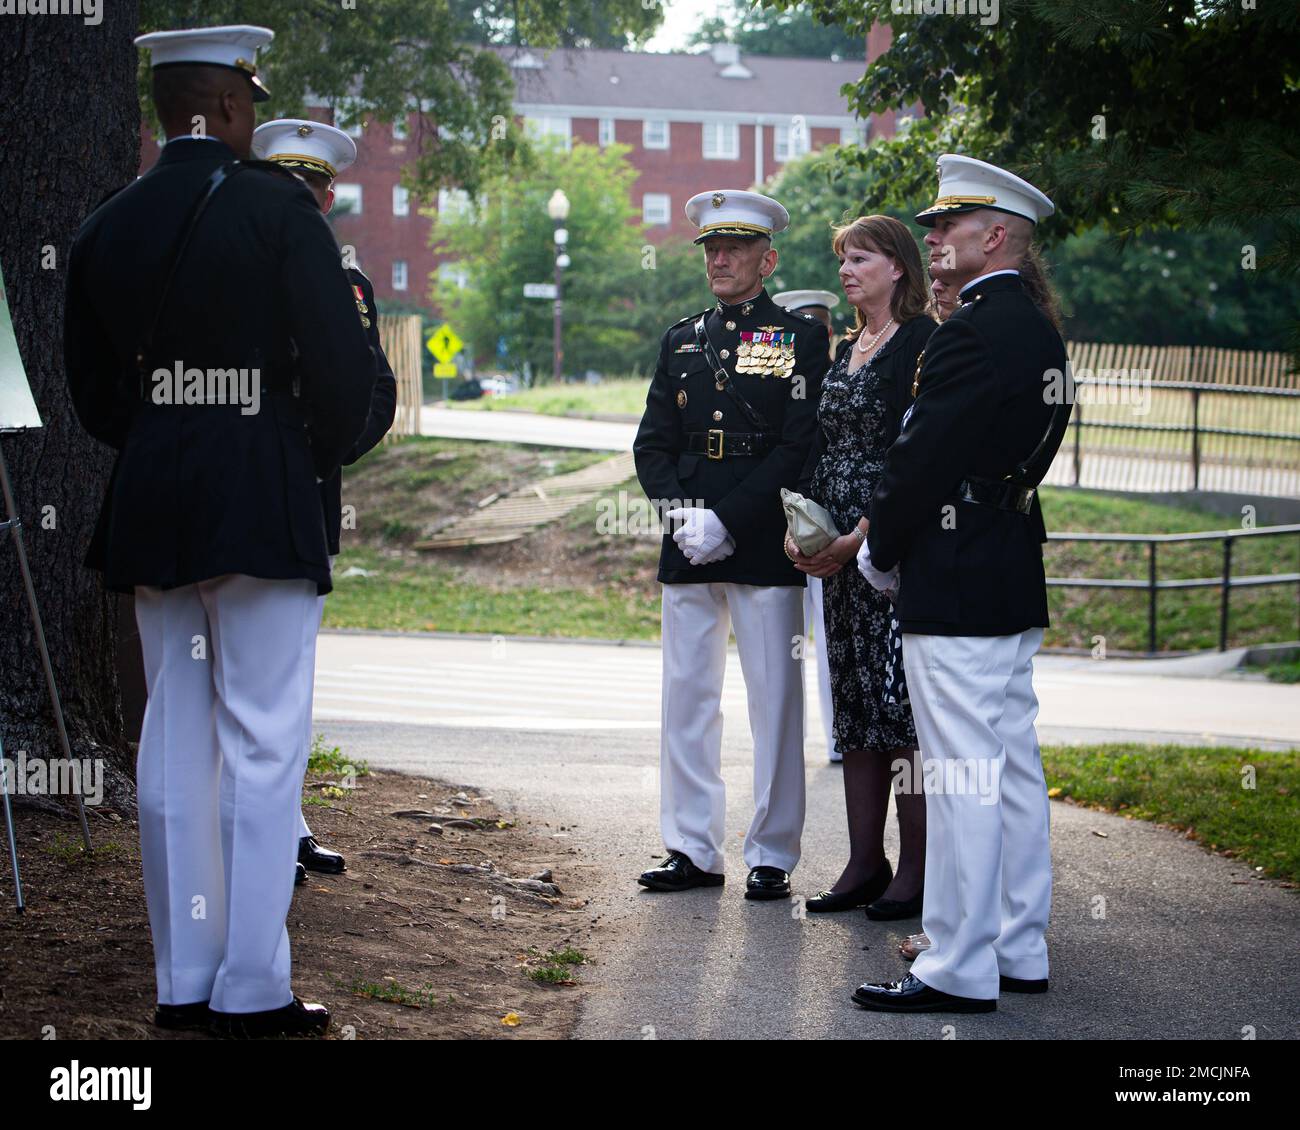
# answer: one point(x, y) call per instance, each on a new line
point(1151, 938)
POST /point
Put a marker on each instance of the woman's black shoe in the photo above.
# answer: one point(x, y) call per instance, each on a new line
point(868, 892)
point(891, 910)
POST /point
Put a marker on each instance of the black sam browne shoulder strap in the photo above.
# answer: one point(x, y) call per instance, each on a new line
point(723, 379)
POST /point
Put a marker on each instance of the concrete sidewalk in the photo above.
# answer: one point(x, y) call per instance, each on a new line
point(1152, 937)
point(525, 427)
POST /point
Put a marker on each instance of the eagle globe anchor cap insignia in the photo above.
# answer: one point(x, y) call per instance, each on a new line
point(735, 213)
point(305, 146)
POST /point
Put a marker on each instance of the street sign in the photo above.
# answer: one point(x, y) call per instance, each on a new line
point(445, 344)
point(539, 290)
point(444, 370)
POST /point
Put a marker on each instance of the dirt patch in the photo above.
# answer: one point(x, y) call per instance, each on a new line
point(418, 919)
point(421, 485)
point(402, 492)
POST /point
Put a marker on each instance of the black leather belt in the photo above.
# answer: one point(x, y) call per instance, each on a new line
point(1001, 493)
point(717, 444)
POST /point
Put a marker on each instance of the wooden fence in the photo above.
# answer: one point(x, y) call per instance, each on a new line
point(402, 339)
point(1174, 418)
point(1201, 364)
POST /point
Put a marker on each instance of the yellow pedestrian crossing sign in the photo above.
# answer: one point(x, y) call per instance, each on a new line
point(445, 344)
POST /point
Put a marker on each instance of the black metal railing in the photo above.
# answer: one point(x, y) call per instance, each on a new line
point(1154, 586)
point(1184, 428)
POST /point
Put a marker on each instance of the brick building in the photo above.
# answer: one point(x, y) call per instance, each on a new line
point(692, 122)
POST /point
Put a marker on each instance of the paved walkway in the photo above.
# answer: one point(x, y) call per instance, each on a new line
point(1100, 471)
point(1190, 944)
point(526, 427)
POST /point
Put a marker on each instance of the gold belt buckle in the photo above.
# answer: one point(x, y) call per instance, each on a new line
point(713, 450)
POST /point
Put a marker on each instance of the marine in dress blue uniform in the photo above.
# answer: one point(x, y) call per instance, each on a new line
point(729, 419)
point(318, 153)
point(213, 516)
point(956, 534)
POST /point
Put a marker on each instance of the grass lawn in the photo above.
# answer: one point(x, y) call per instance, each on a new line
point(1284, 672)
point(1240, 802)
point(1187, 619)
point(622, 396)
point(570, 579)
point(402, 595)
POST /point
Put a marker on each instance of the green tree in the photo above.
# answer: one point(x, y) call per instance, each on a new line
point(1134, 113)
point(764, 29)
point(820, 191)
point(384, 57)
point(568, 23)
point(1170, 288)
point(505, 239)
point(1160, 287)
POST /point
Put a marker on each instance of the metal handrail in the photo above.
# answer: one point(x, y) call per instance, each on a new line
point(1153, 585)
point(1194, 430)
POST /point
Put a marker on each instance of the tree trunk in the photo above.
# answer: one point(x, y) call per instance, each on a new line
point(69, 135)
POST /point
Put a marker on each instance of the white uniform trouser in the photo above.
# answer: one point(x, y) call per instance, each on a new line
point(988, 872)
point(219, 776)
point(815, 619)
point(303, 829)
point(768, 623)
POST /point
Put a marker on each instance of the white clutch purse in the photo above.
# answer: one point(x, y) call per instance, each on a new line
point(811, 527)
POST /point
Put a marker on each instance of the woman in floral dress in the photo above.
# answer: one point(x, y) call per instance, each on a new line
point(863, 400)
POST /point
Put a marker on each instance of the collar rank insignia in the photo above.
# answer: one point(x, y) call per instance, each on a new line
point(765, 354)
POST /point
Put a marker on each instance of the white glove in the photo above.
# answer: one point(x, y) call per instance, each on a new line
point(883, 582)
point(700, 533)
point(725, 550)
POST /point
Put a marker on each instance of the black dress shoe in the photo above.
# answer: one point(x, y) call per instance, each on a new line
point(1021, 985)
point(868, 892)
point(892, 910)
point(299, 874)
point(181, 1017)
point(316, 858)
point(294, 1019)
point(678, 873)
point(767, 883)
point(913, 995)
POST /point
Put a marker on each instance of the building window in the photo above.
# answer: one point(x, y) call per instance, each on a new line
point(606, 136)
point(656, 208)
point(792, 140)
point(721, 140)
point(347, 198)
point(540, 129)
point(452, 201)
point(453, 274)
point(401, 201)
point(654, 134)
point(400, 130)
point(399, 274)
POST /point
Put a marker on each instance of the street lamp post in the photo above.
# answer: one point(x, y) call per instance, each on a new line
point(558, 209)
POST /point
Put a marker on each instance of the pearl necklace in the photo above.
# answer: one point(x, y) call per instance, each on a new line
point(883, 330)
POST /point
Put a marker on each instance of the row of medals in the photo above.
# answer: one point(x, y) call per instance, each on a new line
point(765, 359)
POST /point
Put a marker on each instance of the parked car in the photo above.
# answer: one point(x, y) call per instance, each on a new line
point(496, 386)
